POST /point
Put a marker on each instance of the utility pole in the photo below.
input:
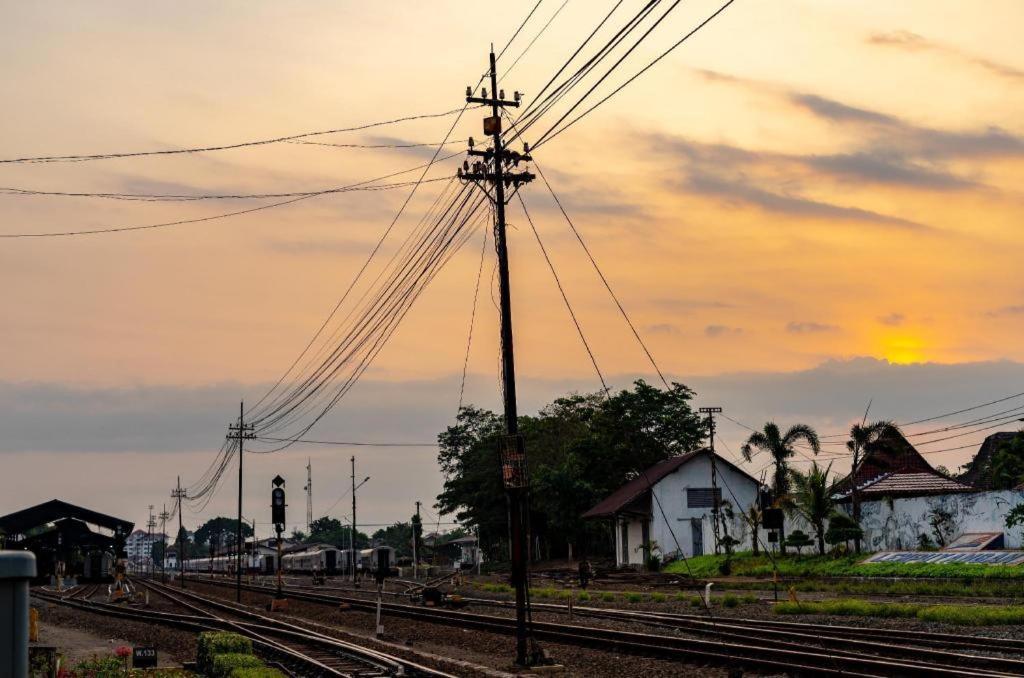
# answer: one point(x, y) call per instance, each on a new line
point(178, 495)
point(163, 541)
point(309, 496)
point(492, 172)
point(150, 524)
point(415, 539)
point(241, 433)
point(352, 533)
point(716, 499)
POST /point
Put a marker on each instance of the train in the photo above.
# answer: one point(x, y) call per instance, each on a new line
point(259, 564)
point(326, 560)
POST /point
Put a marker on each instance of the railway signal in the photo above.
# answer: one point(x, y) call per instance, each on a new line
point(277, 516)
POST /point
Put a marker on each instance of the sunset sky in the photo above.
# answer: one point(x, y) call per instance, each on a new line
point(809, 205)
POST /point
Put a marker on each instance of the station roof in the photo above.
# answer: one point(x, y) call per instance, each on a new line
point(630, 498)
point(51, 511)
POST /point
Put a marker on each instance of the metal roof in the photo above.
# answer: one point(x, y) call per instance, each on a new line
point(55, 509)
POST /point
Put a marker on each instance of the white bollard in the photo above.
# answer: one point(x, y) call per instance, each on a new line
point(16, 569)
point(707, 595)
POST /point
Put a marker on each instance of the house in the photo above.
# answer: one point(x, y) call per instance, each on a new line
point(671, 505)
point(906, 503)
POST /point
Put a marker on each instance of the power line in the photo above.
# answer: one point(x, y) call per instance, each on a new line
point(561, 290)
point(472, 320)
point(223, 147)
point(225, 215)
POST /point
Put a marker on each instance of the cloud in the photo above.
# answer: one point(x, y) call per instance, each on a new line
point(884, 167)
point(913, 42)
point(837, 111)
point(795, 327)
point(721, 330)
point(741, 192)
point(893, 319)
point(664, 328)
point(1007, 310)
point(689, 305)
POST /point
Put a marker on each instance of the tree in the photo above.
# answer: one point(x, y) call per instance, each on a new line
point(330, 531)
point(1008, 464)
point(842, 529)
point(812, 498)
point(581, 448)
point(798, 539)
point(299, 535)
point(398, 537)
point(862, 437)
point(221, 530)
point(781, 448)
point(157, 553)
point(754, 518)
point(943, 525)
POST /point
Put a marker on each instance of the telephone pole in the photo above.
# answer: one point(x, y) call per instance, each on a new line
point(716, 498)
point(150, 524)
point(164, 515)
point(351, 535)
point(495, 171)
point(309, 496)
point(240, 432)
point(178, 495)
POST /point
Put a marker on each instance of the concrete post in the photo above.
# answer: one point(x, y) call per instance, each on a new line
point(16, 569)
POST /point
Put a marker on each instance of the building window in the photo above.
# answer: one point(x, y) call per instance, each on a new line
point(703, 497)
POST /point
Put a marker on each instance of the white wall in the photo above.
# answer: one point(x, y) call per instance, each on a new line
point(675, 526)
point(895, 525)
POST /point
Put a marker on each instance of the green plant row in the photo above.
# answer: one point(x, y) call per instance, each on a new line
point(745, 564)
point(229, 655)
point(963, 615)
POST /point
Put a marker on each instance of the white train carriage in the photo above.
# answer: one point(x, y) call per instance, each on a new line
point(369, 558)
point(325, 560)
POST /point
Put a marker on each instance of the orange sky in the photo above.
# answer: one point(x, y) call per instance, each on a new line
point(803, 181)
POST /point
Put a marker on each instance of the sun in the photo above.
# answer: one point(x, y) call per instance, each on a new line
point(903, 349)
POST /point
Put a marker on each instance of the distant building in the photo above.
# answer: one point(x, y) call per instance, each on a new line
point(670, 504)
point(139, 545)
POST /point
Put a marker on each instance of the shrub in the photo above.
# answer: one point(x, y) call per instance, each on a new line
point(658, 597)
point(798, 539)
point(100, 666)
point(213, 643)
point(750, 599)
point(608, 597)
point(224, 665)
point(583, 596)
point(730, 600)
point(634, 597)
point(696, 601)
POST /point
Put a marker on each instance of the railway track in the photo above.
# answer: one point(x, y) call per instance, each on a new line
point(297, 651)
point(772, 646)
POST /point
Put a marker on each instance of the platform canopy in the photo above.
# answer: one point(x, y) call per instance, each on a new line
point(25, 520)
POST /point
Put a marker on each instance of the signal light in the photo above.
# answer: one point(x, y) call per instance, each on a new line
point(469, 91)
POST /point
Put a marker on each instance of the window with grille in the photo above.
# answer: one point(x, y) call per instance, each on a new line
point(703, 497)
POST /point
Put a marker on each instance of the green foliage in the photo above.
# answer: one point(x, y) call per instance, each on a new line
point(962, 615)
point(330, 531)
point(213, 643)
point(497, 588)
point(262, 672)
point(1016, 516)
point(747, 565)
point(398, 537)
point(657, 597)
point(582, 447)
point(750, 599)
point(100, 666)
point(224, 665)
point(696, 601)
point(608, 597)
point(634, 597)
point(1007, 464)
point(583, 596)
point(729, 600)
point(812, 499)
point(222, 531)
point(781, 447)
point(798, 540)
point(842, 529)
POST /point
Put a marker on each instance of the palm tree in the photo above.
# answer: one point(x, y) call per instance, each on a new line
point(781, 448)
point(862, 436)
point(813, 499)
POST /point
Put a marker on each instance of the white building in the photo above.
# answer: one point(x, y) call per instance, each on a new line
point(670, 505)
point(139, 546)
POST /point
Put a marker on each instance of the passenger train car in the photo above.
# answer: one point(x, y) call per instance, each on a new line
point(260, 564)
point(322, 559)
point(326, 560)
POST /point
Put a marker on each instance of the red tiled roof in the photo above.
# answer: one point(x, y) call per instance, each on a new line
point(639, 486)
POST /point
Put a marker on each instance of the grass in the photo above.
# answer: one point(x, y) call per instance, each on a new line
point(730, 600)
point(972, 588)
point(750, 600)
point(634, 597)
point(608, 597)
point(496, 588)
point(747, 565)
point(962, 615)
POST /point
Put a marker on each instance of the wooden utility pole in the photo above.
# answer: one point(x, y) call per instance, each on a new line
point(150, 525)
point(164, 515)
point(415, 539)
point(309, 496)
point(352, 534)
point(495, 172)
point(240, 432)
point(178, 495)
point(716, 500)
